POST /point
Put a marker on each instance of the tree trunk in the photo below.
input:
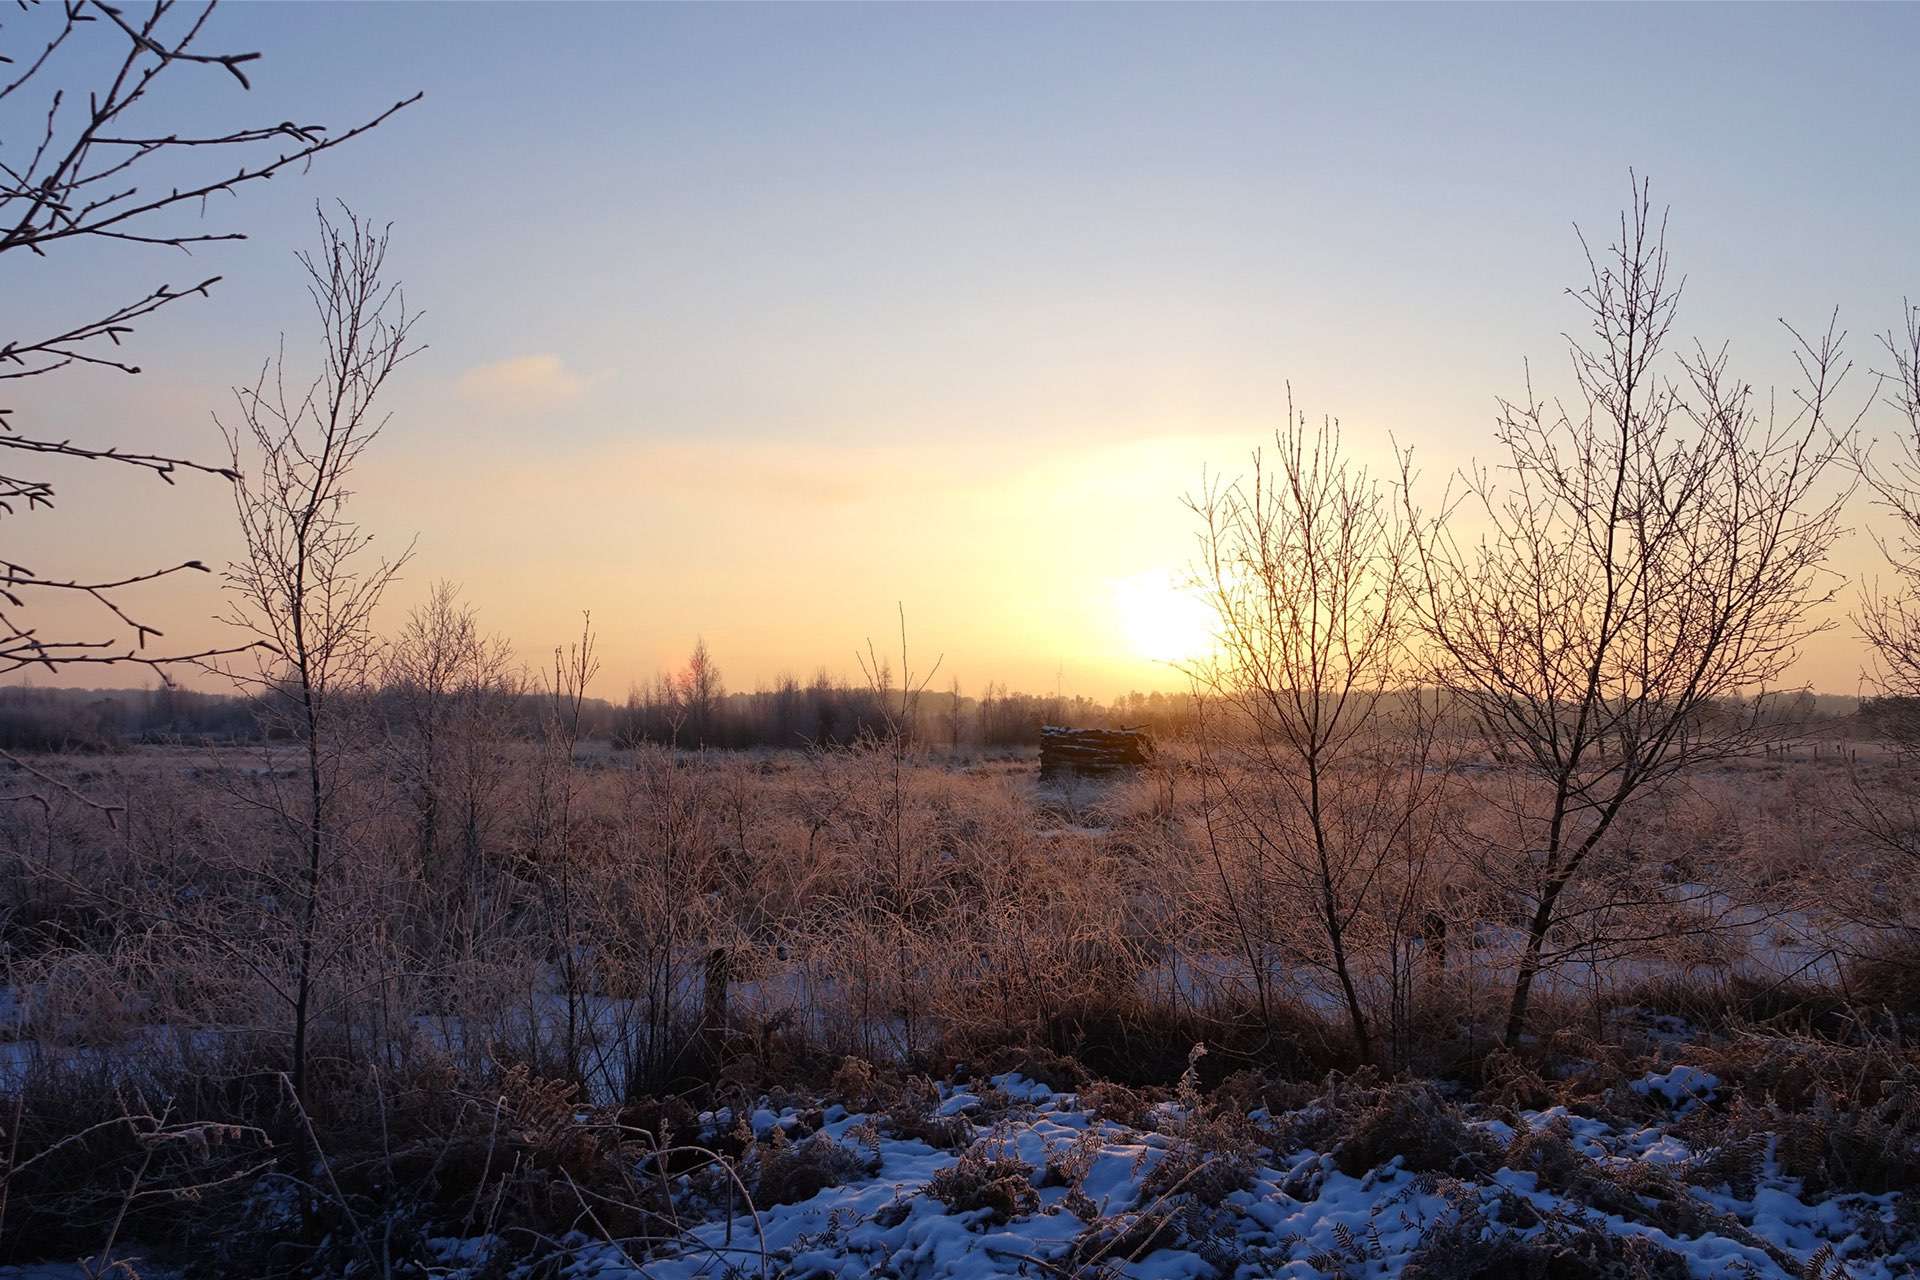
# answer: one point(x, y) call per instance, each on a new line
point(1530, 964)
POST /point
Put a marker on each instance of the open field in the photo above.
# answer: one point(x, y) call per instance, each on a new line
point(785, 978)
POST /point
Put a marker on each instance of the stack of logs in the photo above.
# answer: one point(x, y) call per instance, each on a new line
point(1092, 751)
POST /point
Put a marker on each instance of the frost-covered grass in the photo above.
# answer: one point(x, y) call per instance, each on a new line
point(499, 1065)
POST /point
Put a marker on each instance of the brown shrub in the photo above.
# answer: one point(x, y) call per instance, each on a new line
point(1120, 1104)
point(788, 1173)
point(1468, 1246)
point(1829, 1145)
point(1510, 1081)
point(1069, 1164)
point(990, 1176)
point(1057, 1071)
point(1215, 1149)
point(853, 1084)
point(1888, 979)
point(1637, 1192)
point(1122, 1238)
point(1413, 1122)
point(915, 1113)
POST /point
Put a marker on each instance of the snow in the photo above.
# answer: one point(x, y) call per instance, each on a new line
point(1684, 1088)
point(1302, 1218)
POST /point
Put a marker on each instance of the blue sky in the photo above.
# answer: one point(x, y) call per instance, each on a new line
point(751, 320)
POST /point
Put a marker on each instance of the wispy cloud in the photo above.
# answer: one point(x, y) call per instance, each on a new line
point(541, 381)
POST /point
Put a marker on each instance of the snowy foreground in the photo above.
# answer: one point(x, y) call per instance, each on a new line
point(1041, 1184)
point(1666, 1174)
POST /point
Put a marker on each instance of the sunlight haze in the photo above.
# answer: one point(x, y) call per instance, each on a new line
point(757, 323)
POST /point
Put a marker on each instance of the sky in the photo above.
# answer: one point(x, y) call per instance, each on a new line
point(758, 323)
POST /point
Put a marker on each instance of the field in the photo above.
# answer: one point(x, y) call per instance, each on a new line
point(896, 1010)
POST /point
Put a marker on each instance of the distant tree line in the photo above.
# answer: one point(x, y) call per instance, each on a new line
point(34, 719)
point(825, 711)
point(692, 708)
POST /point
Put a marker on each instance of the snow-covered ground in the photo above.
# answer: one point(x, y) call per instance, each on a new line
point(1098, 1207)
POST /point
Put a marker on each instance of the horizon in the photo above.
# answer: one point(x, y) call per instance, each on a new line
point(936, 695)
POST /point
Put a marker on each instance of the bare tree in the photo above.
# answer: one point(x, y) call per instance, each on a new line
point(1648, 562)
point(437, 667)
point(553, 848)
point(895, 893)
point(700, 689)
point(308, 586)
point(1891, 622)
point(956, 718)
point(88, 165)
point(1873, 901)
point(1308, 789)
point(447, 690)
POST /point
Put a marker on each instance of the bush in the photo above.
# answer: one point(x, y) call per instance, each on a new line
point(1469, 1245)
point(1215, 1149)
point(1638, 1192)
point(1118, 1103)
point(989, 1176)
point(915, 1113)
point(1058, 1072)
point(791, 1172)
point(1829, 1146)
point(1888, 979)
point(1415, 1123)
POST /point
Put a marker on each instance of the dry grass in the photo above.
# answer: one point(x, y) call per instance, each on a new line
point(883, 918)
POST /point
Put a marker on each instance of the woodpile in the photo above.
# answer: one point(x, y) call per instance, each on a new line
point(1092, 751)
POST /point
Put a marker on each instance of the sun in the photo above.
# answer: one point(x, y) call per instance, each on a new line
point(1161, 620)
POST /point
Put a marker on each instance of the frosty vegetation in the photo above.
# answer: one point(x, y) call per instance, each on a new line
point(1493, 905)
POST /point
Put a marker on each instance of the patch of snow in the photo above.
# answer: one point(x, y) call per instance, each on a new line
point(1683, 1087)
